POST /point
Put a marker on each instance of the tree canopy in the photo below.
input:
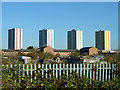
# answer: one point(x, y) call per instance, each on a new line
point(31, 47)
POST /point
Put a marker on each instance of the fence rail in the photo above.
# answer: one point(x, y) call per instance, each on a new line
point(100, 72)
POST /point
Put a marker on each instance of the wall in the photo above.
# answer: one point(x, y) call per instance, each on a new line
point(63, 53)
point(48, 49)
point(93, 51)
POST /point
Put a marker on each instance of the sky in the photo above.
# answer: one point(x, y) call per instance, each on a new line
point(62, 17)
point(60, 0)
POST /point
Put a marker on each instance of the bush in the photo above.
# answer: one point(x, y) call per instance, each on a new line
point(57, 55)
point(75, 54)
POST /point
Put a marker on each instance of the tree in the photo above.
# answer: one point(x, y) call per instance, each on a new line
point(31, 47)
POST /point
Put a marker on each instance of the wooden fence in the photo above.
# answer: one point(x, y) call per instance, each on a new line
point(100, 72)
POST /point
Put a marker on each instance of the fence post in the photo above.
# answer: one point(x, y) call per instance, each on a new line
point(90, 71)
point(23, 70)
point(60, 69)
point(94, 71)
point(109, 71)
point(27, 70)
point(42, 71)
point(114, 70)
point(74, 67)
point(31, 72)
point(112, 66)
point(53, 69)
point(67, 71)
point(70, 69)
point(87, 70)
point(15, 75)
point(19, 74)
point(63, 68)
point(80, 70)
point(39, 70)
point(50, 70)
point(97, 72)
point(39, 66)
point(106, 71)
point(56, 71)
point(35, 69)
point(11, 66)
point(118, 71)
point(7, 66)
point(84, 69)
point(46, 70)
point(103, 73)
point(77, 69)
point(100, 73)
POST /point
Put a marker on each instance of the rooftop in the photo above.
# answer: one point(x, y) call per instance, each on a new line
point(86, 47)
point(65, 50)
point(22, 50)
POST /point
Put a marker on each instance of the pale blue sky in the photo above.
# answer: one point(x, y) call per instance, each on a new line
point(60, 0)
point(62, 17)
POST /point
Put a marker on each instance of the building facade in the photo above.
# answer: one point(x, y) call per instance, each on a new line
point(47, 49)
point(102, 40)
point(89, 51)
point(46, 38)
point(15, 38)
point(75, 39)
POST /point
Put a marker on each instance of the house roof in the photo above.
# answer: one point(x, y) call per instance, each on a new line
point(86, 47)
point(22, 50)
point(66, 50)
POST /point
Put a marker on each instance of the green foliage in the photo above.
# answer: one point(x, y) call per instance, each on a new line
point(41, 55)
point(99, 52)
point(21, 54)
point(75, 54)
point(31, 47)
point(48, 55)
point(33, 55)
point(57, 55)
point(112, 58)
point(11, 59)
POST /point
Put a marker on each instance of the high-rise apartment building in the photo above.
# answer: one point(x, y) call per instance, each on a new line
point(75, 39)
point(46, 37)
point(102, 40)
point(15, 38)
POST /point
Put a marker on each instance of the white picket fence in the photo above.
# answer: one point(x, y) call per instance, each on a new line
point(101, 72)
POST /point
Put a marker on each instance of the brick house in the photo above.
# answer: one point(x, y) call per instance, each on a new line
point(89, 51)
point(55, 51)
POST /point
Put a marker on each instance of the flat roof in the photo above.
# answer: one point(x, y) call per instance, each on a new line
point(66, 50)
point(22, 50)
